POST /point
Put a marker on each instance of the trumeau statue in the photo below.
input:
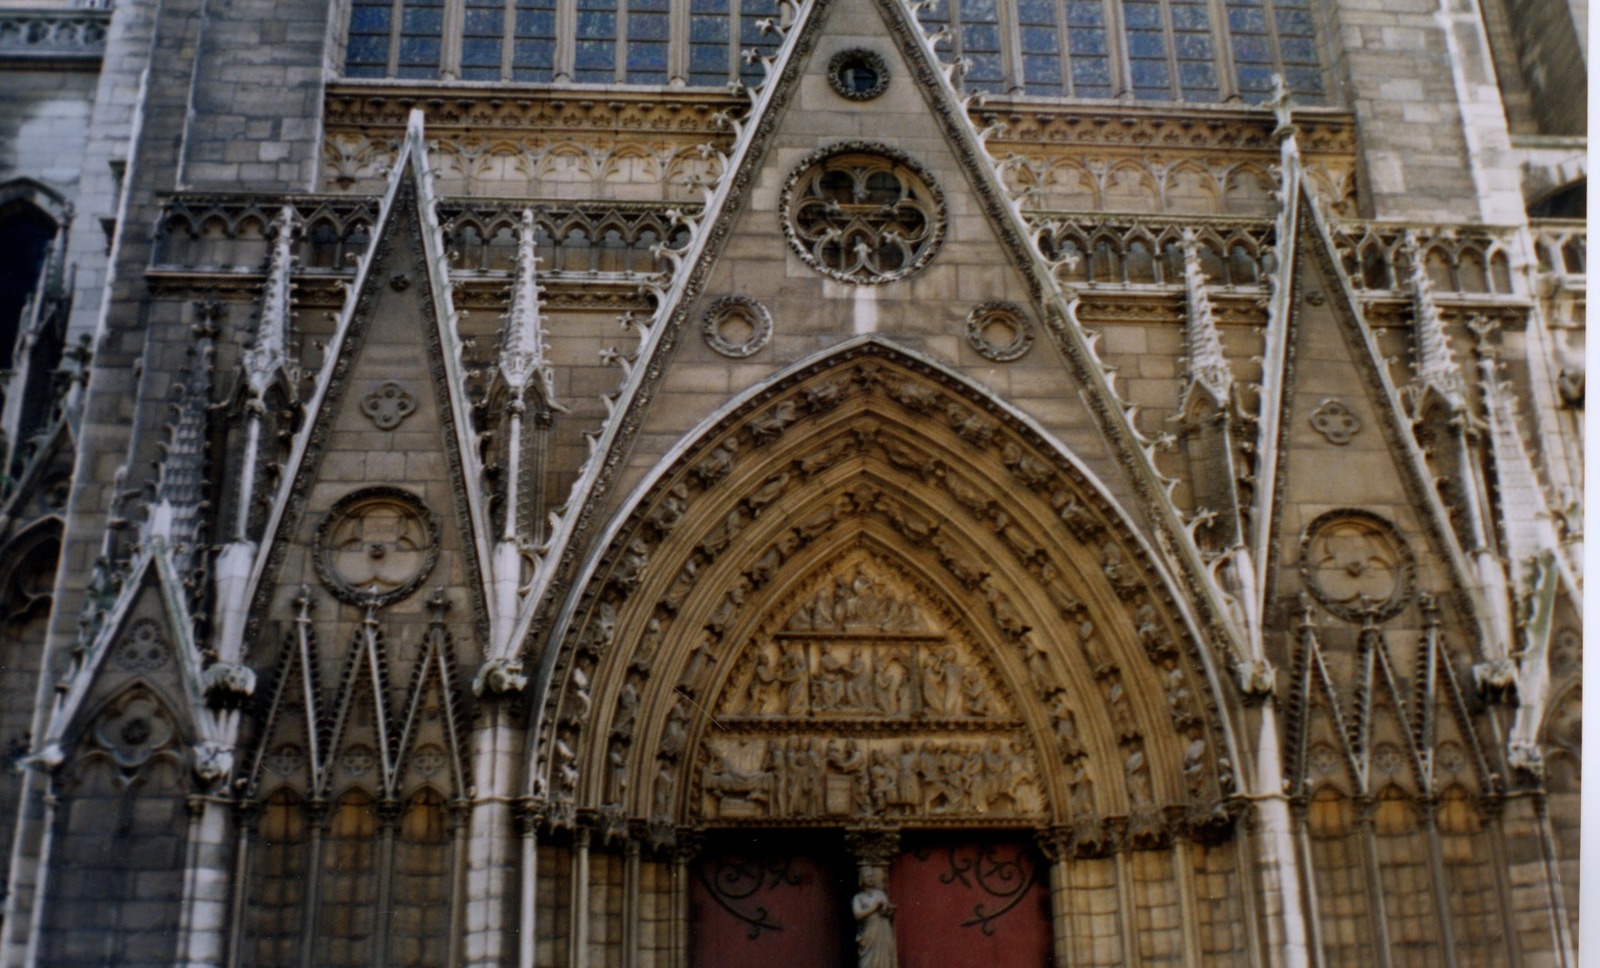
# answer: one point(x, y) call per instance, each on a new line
point(874, 922)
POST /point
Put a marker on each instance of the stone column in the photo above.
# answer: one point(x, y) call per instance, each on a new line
point(1056, 845)
point(528, 816)
point(388, 826)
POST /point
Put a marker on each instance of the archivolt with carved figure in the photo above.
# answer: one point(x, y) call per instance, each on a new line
point(816, 627)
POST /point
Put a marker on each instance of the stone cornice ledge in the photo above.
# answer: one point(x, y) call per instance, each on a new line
point(70, 37)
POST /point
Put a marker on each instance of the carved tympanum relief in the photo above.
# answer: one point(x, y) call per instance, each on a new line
point(860, 703)
point(1356, 564)
point(376, 546)
point(863, 213)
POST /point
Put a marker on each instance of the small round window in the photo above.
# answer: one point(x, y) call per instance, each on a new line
point(736, 326)
point(858, 74)
point(863, 213)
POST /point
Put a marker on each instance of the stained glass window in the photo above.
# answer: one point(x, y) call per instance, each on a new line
point(1202, 51)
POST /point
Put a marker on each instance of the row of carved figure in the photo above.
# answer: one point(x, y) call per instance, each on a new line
point(811, 776)
point(891, 680)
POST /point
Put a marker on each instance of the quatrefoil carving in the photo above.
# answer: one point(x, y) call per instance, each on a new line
point(388, 405)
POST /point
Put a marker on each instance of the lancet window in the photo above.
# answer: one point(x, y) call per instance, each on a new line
point(1160, 50)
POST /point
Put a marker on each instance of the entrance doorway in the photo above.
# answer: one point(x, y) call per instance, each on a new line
point(782, 899)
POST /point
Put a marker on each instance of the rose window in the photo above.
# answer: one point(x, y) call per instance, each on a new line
point(863, 213)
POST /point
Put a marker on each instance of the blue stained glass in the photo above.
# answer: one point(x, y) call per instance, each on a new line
point(595, 54)
point(646, 56)
point(1255, 79)
point(370, 20)
point(1247, 21)
point(979, 37)
point(368, 50)
point(1041, 70)
point(429, 20)
point(703, 57)
point(1193, 46)
point(979, 11)
point(532, 53)
point(1299, 50)
point(1085, 15)
point(1036, 12)
point(1039, 40)
point(1190, 18)
point(1295, 22)
point(480, 53)
point(1146, 43)
point(419, 51)
point(985, 67)
point(1141, 15)
point(1087, 42)
point(536, 23)
point(484, 23)
point(1197, 77)
point(597, 24)
point(708, 29)
point(365, 70)
point(1251, 50)
point(937, 12)
point(1304, 80)
point(647, 26)
point(1090, 71)
point(1149, 73)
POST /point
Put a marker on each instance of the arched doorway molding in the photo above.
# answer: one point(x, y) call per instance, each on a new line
point(894, 451)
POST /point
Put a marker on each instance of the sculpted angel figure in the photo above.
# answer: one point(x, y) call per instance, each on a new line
point(874, 922)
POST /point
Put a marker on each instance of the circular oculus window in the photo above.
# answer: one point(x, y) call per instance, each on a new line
point(999, 331)
point(863, 213)
point(376, 546)
point(1357, 565)
point(736, 326)
point(858, 74)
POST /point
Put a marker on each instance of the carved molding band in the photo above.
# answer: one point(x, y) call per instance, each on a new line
point(33, 34)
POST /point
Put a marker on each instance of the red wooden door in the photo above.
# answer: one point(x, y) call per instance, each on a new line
point(769, 905)
point(971, 904)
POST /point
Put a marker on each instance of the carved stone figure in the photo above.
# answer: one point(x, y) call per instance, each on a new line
point(875, 947)
point(676, 732)
point(792, 677)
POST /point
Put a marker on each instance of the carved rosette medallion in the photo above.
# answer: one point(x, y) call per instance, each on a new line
point(858, 74)
point(860, 704)
point(376, 546)
point(1356, 564)
point(388, 405)
point(999, 331)
point(1335, 421)
point(736, 326)
point(863, 213)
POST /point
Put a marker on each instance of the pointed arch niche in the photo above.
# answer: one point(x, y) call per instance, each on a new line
point(870, 601)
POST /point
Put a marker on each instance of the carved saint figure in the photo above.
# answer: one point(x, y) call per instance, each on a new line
point(858, 682)
point(892, 686)
point(874, 922)
point(792, 677)
point(762, 684)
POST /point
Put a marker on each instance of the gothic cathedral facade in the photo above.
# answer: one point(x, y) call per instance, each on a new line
point(800, 483)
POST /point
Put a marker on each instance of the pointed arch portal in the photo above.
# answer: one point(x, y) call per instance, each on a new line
point(873, 609)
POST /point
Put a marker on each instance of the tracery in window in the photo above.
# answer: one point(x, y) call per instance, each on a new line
point(1159, 50)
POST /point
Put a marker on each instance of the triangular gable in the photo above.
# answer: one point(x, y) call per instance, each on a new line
point(152, 592)
point(407, 233)
point(1336, 394)
point(790, 88)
